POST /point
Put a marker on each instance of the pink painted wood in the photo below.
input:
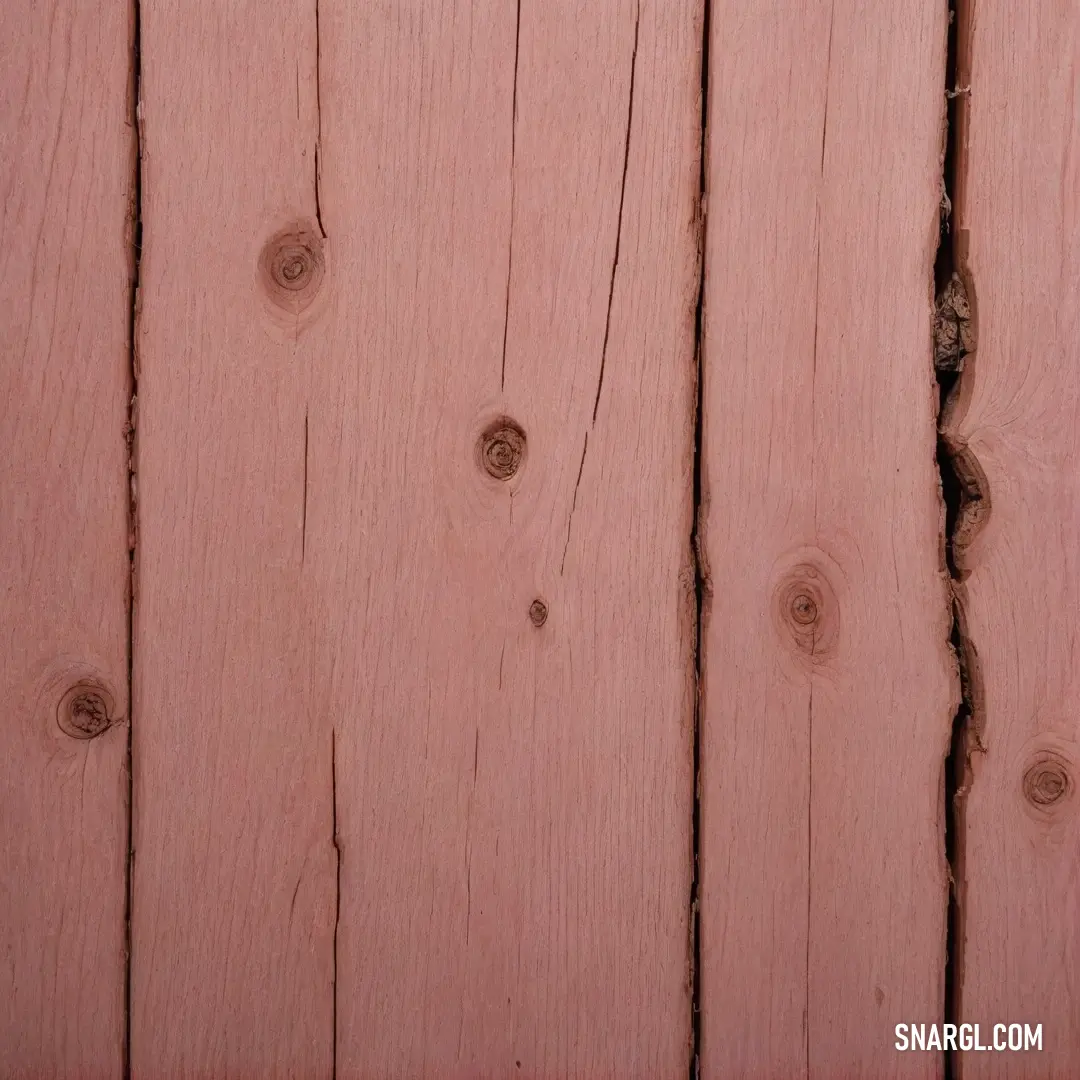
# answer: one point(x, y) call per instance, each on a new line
point(1016, 418)
point(235, 867)
point(66, 173)
point(828, 685)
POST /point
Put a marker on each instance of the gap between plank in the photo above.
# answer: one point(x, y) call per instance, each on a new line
point(135, 239)
point(135, 225)
point(966, 502)
point(702, 585)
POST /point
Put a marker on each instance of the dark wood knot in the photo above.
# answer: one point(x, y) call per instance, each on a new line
point(1047, 781)
point(501, 449)
point(538, 612)
point(85, 711)
point(291, 267)
point(806, 611)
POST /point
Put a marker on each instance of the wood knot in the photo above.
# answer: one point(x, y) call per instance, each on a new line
point(85, 711)
point(501, 449)
point(291, 267)
point(538, 612)
point(1047, 781)
point(805, 610)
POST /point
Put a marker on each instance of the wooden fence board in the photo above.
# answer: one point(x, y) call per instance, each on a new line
point(235, 867)
point(67, 171)
point(828, 685)
point(511, 205)
point(1018, 416)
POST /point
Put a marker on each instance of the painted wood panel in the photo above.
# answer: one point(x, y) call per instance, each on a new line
point(66, 171)
point(1016, 419)
point(500, 519)
point(235, 867)
point(828, 685)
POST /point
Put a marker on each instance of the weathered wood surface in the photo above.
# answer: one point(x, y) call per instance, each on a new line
point(829, 687)
point(1018, 417)
point(337, 618)
point(66, 169)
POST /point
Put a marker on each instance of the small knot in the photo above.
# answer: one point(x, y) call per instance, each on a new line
point(502, 448)
point(291, 267)
point(538, 612)
point(806, 611)
point(85, 711)
point(1047, 781)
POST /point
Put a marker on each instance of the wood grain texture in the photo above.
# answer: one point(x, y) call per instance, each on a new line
point(235, 867)
point(1018, 415)
point(514, 800)
point(66, 170)
point(828, 685)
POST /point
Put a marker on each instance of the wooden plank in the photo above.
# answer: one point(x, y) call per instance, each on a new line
point(506, 632)
point(235, 868)
point(1017, 417)
point(828, 685)
point(67, 171)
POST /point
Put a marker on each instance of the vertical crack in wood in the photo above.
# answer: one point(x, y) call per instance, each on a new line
point(303, 515)
point(814, 354)
point(318, 125)
point(817, 268)
point(966, 504)
point(622, 204)
point(468, 845)
point(614, 268)
point(828, 69)
point(135, 225)
point(573, 504)
point(702, 586)
point(337, 893)
point(813, 482)
point(513, 151)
